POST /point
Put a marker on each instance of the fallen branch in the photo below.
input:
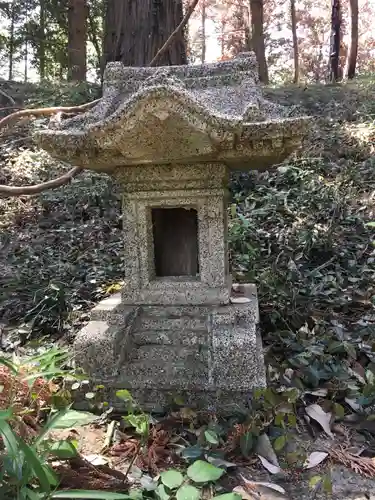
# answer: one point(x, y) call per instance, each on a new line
point(179, 28)
point(8, 120)
point(62, 111)
point(38, 188)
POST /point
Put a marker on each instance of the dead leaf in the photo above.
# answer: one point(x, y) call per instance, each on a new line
point(260, 491)
point(246, 495)
point(251, 484)
point(314, 459)
point(264, 449)
point(317, 413)
point(96, 460)
point(273, 469)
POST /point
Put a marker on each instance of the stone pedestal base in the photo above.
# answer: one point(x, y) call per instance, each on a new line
point(208, 356)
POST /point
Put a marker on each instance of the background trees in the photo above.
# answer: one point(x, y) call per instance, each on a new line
point(134, 31)
point(73, 39)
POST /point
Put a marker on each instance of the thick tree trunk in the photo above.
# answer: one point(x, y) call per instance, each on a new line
point(77, 39)
point(334, 63)
point(256, 8)
point(135, 31)
point(295, 40)
point(351, 60)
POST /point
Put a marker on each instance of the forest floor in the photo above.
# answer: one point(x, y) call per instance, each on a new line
point(303, 233)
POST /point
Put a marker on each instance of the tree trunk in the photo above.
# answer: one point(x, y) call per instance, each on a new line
point(334, 66)
point(42, 40)
point(351, 60)
point(93, 32)
point(256, 8)
point(247, 24)
point(203, 32)
point(295, 41)
point(135, 31)
point(26, 60)
point(77, 39)
point(11, 39)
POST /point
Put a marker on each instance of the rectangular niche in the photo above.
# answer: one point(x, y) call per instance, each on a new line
point(175, 240)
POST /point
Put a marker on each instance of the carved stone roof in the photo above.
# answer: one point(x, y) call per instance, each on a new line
point(178, 114)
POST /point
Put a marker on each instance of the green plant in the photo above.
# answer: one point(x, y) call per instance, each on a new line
point(135, 416)
point(188, 486)
point(26, 473)
point(26, 452)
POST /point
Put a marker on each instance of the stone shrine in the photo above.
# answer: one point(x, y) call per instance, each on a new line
point(170, 136)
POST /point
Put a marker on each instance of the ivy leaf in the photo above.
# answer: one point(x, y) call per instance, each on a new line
point(192, 452)
point(204, 472)
point(172, 479)
point(162, 493)
point(211, 437)
point(228, 496)
point(63, 449)
point(188, 492)
point(279, 443)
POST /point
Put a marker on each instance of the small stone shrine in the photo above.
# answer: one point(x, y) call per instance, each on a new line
point(170, 136)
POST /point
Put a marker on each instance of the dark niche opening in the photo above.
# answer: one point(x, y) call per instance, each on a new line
point(175, 232)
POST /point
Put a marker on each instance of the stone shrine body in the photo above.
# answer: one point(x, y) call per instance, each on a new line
point(170, 136)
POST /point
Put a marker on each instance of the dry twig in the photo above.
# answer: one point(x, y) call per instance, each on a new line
point(38, 188)
point(63, 111)
point(361, 465)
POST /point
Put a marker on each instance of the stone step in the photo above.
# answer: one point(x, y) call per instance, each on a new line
point(162, 366)
point(177, 311)
point(170, 337)
point(168, 354)
point(153, 322)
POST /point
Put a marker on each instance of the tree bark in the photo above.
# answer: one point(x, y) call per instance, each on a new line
point(42, 40)
point(135, 31)
point(351, 60)
point(256, 8)
point(295, 41)
point(334, 63)
point(77, 39)
point(11, 39)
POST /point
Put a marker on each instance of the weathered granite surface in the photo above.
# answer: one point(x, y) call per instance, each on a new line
point(170, 137)
point(211, 356)
point(178, 114)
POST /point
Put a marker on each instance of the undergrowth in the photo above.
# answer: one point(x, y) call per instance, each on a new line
point(299, 232)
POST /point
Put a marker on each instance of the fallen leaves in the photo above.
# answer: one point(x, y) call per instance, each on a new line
point(361, 465)
point(258, 490)
point(273, 469)
point(317, 413)
point(314, 459)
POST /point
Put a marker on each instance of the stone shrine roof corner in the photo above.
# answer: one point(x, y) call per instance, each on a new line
point(179, 114)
